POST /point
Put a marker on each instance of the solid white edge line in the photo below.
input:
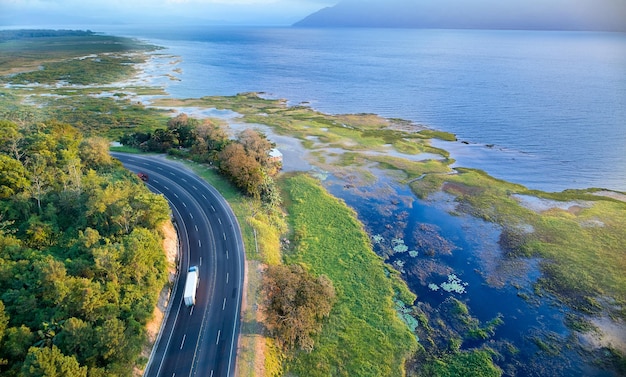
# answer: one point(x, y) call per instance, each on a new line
point(169, 307)
point(238, 304)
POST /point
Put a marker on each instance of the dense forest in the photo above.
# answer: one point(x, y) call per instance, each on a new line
point(81, 255)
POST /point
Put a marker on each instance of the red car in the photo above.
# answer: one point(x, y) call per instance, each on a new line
point(142, 176)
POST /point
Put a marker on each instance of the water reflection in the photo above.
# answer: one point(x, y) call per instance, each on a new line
point(451, 259)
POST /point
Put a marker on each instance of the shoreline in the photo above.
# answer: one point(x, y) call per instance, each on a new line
point(331, 164)
point(336, 153)
point(236, 121)
point(516, 160)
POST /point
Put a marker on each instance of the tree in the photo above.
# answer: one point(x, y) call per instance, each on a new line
point(51, 362)
point(119, 207)
point(81, 259)
point(210, 139)
point(70, 174)
point(65, 138)
point(110, 340)
point(270, 195)
point(13, 177)
point(39, 233)
point(76, 338)
point(256, 145)
point(40, 177)
point(182, 127)
point(94, 153)
point(136, 139)
point(296, 303)
point(11, 139)
point(160, 141)
point(85, 299)
point(17, 341)
point(4, 322)
point(242, 169)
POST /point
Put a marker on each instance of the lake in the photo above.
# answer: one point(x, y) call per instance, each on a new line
point(544, 109)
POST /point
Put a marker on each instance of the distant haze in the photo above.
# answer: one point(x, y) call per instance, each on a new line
point(173, 12)
point(606, 15)
point(486, 14)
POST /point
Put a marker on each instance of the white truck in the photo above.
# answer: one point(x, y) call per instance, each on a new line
point(190, 286)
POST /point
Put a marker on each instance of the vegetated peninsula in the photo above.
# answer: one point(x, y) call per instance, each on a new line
point(600, 15)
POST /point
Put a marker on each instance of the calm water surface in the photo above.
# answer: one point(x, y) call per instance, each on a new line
point(545, 109)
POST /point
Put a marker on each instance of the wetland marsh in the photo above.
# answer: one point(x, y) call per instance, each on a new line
point(522, 282)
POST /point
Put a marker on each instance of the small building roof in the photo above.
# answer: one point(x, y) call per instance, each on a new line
point(275, 153)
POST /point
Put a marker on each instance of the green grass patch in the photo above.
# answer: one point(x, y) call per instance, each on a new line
point(364, 335)
point(27, 54)
point(474, 363)
point(412, 169)
point(441, 135)
point(125, 149)
point(107, 116)
point(92, 70)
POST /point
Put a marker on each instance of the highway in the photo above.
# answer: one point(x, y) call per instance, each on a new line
point(200, 340)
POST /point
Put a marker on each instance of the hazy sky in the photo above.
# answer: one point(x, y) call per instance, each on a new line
point(44, 13)
point(254, 12)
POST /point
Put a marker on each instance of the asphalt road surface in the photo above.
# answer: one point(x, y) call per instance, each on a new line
point(200, 340)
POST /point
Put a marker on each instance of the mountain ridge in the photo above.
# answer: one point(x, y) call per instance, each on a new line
point(579, 15)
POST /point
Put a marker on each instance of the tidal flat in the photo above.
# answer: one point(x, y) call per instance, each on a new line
point(514, 279)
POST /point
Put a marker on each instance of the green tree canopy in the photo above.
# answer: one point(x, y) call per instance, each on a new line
point(94, 153)
point(50, 362)
point(13, 177)
point(81, 255)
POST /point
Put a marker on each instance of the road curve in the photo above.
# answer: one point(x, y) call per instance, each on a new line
point(201, 340)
